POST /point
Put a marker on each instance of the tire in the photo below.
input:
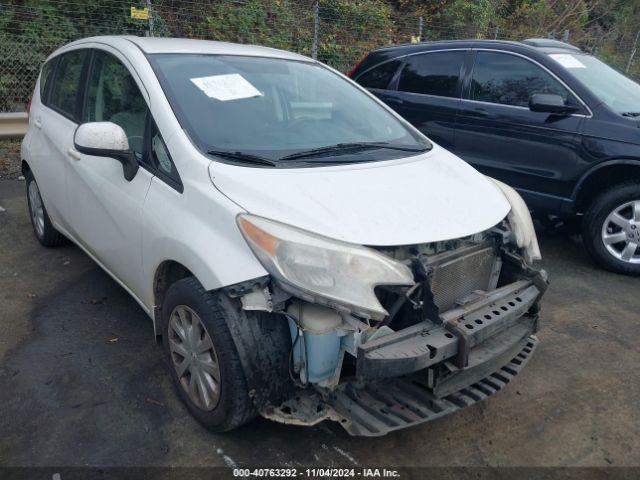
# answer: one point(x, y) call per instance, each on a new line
point(233, 406)
point(43, 229)
point(597, 224)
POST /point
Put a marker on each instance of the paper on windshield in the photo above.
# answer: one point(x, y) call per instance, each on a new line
point(227, 87)
point(567, 60)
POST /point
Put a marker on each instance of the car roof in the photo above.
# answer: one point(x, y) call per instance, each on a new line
point(544, 45)
point(153, 45)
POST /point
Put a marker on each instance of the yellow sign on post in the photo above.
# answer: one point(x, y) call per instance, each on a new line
point(140, 13)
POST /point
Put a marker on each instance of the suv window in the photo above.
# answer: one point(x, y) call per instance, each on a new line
point(510, 80)
point(66, 86)
point(45, 76)
point(432, 73)
point(380, 76)
point(114, 96)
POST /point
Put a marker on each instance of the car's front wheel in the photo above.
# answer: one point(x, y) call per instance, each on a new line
point(45, 232)
point(203, 359)
point(611, 229)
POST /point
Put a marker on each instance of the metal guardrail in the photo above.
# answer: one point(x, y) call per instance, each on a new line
point(13, 125)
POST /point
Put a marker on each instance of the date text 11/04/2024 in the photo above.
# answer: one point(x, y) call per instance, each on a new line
point(316, 472)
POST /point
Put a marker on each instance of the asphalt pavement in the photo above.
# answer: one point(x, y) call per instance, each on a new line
point(82, 381)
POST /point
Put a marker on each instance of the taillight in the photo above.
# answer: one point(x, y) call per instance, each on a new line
point(353, 70)
point(27, 106)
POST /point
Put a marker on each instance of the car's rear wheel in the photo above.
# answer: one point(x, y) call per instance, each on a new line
point(611, 229)
point(44, 231)
point(203, 358)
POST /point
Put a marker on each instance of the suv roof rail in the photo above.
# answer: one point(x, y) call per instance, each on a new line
point(549, 43)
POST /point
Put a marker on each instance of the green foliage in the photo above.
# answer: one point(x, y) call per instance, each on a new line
point(469, 19)
point(370, 25)
point(280, 24)
point(31, 29)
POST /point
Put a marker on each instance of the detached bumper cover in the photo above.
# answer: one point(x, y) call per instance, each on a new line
point(380, 407)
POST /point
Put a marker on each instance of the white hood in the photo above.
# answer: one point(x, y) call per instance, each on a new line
point(426, 198)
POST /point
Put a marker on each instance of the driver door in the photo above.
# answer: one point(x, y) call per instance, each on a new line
point(498, 134)
point(106, 208)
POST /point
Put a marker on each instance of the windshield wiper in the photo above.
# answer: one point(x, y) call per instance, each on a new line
point(342, 147)
point(630, 114)
point(243, 157)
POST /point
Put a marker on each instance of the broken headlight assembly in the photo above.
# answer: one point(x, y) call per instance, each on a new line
point(457, 320)
point(520, 222)
point(322, 270)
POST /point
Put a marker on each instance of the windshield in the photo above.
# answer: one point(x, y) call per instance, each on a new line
point(617, 91)
point(265, 109)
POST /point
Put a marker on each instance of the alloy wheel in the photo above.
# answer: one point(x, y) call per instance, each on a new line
point(194, 357)
point(621, 232)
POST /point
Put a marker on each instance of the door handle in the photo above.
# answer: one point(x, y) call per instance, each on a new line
point(38, 123)
point(73, 153)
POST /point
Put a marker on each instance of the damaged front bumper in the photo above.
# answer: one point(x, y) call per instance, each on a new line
point(435, 366)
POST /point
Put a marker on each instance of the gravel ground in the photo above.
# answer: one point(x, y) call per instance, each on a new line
point(9, 158)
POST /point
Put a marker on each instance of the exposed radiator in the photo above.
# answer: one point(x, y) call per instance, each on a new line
point(458, 273)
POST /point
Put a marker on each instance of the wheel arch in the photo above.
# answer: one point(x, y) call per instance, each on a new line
point(166, 274)
point(24, 168)
point(602, 177)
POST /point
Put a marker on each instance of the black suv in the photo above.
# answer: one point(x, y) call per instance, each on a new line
point(555, 123)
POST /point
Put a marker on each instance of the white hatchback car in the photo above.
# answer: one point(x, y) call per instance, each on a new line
point(303, 251)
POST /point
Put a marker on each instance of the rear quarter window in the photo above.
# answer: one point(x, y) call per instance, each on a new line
point(380, 76)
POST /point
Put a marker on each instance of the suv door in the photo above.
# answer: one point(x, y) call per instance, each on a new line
point(498, 134)
point(428, 93)
point(55, 121)
point(105, 207)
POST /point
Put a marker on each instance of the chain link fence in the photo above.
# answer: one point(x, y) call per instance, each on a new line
point(337, 32)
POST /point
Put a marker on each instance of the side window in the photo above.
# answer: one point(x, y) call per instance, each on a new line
point(379, 77)
point(66, 86)
point(114, 96)
point(510, 80)
point(432, 73)
point(45, 76)
point(161, 160)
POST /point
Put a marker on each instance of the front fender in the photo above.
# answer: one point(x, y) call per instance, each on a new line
point(198, 230)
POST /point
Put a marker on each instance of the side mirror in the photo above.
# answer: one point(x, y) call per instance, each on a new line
point(550, 103)
point(106, 139)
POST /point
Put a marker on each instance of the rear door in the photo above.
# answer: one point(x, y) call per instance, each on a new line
point(498, 134)
point(427, 93)
point(106, 208)
point(55, 121)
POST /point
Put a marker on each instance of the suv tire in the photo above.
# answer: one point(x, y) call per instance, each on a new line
point(43, 229)
point(597, 224)
point(218, 370)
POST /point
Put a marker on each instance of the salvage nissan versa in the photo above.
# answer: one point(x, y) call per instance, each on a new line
point(303, 252)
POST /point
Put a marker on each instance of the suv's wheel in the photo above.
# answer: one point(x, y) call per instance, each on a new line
point(611, 229)
point(46, 234)
point(203, 358)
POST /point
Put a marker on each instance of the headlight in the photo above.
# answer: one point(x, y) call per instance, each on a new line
point(521, 224)
point(324, 270)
